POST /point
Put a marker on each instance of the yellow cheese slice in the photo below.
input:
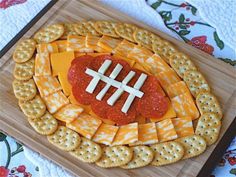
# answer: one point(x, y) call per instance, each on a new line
point(176, 89)
point(105, 134)
point(68, 113)
point(66, 87)
point(183, 126)
point(130, 61)
point(147, 133)
point(55, 101)
point(108, 43)
point(77, 44)
point(143, 67)
point(124, 48)
point(85, 125)
point(166, 130)
point(184, 106)
point(42, 64)
point(140, 54)
point(62, 45)
point(47, 85)
point(47, 48)
point(86, 108)
point(127, 134)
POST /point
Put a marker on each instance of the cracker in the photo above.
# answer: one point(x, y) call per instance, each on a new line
point(193, 145)
point(115, 156)
point(24, 51)
point(167, 153)
point(126, 31)
point(24, 71)
point(145, 38)
point(34, 108)
point(49, 33)
point(65, 139)
point(24, 90)
point(181, 63)
point(196, 82)
point(207, 102)
point(87, 151)
point(85, 28)
point(208, 127)
point(45, 125)
point(142, 156)
point(69, 29)
point(164, 49)
point(106, 28)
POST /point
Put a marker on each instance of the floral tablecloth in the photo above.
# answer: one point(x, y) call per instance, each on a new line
point(184, 21)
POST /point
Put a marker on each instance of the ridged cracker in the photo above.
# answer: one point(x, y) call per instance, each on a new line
point(115, 156)
point(145, 38)
point(88, 151)
point(24, 71)
point(193, 145)
point(181, 63)
point(106, 28)
point(85, 28)
point(126, 31)
point(65, 138)
point(196, 82)
point(167, 153)
point(34, 108)
point(164, 49)
point(49, 33)
point(142, 156)
point(208, 127)
point(44, 125)
point(69, 29)
point(24, 50)
point(24, 90)
point(207, 102)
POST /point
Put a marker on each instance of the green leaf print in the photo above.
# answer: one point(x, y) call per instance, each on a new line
point(181, 18)
point(193, 10)
point(219, 42)
point(183, 32)
point(233, 171)
point(166, 15)
point(156, 4)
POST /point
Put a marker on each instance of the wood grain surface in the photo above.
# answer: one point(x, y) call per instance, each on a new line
point(221, 77)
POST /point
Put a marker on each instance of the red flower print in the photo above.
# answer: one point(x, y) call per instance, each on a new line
point(8, 3)
point(200, 43)
point(3, 171)
point(183, 5)
point(21, 169)
point(232, 160)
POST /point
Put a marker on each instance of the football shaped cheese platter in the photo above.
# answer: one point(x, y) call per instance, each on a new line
point(100, 93)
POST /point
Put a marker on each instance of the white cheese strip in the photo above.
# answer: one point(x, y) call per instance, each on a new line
point(94, 82)
point(113, 75)
point(139, 83)
point(115, 96)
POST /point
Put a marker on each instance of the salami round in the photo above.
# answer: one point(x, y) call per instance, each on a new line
point(151, 85)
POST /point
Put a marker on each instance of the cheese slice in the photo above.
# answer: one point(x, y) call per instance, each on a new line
point(62, 45)
point(77, 44)
point(183, 126)
point(108, 43)
point(42, 64)
point(127, 134)
point(105, 134)
point(139, 54)
point(55, 101)
point(157, 64)
point(124, 48)
point(166, 78)
point(92, 41)
point(68, 113)
point(47, 48)
point(140, 119)
point(184, 106)
point(86, 108)
point(85, 125)
point(105, 121)
point(176, 89)
point(143, 67)
point(147, 133)
point(97, 54)
point(47, 85)
point(166, 130)
point(130, 61)
point(66, 87)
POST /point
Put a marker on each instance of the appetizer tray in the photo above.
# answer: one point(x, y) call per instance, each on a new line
point(139, 56)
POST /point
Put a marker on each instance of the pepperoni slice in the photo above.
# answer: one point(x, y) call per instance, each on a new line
point(152, 105)
point(116, 115)
point(98, 61)
point(151, 85)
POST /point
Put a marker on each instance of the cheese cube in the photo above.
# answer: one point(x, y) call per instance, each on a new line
point(42, 64)
point(183, 126)
point(166, 130)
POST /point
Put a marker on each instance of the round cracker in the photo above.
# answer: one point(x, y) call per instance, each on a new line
point(24, 71)
point(85, 28)
point(106, 28)
point(126, 31)
point(69, 29)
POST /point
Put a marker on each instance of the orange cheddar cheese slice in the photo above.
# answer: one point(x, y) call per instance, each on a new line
point(169, 114)
point(166, 130)
point(147, 133)
point(143, 67)
point(124, 48)
point(105, 121)
point(85, 125)
point(68, 113)
point(183, 126)
point(97, 54)
point(61, 45)
point(86, 108)
point(127, 134)
point(42, 64)
point(47, 85)
point(77, 44)
point(184, 106)
point(140, 119)
point(92, 41)
point(157, 64)
point(130, 61)
point(55, 101)
point(66, 87)
point(105, 134)
point(140, 54)
point(47, 48)
point(166, 78)
point(176, 89)
point(108, 43)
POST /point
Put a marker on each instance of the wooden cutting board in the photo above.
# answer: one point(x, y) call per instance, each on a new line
point(221, 77)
